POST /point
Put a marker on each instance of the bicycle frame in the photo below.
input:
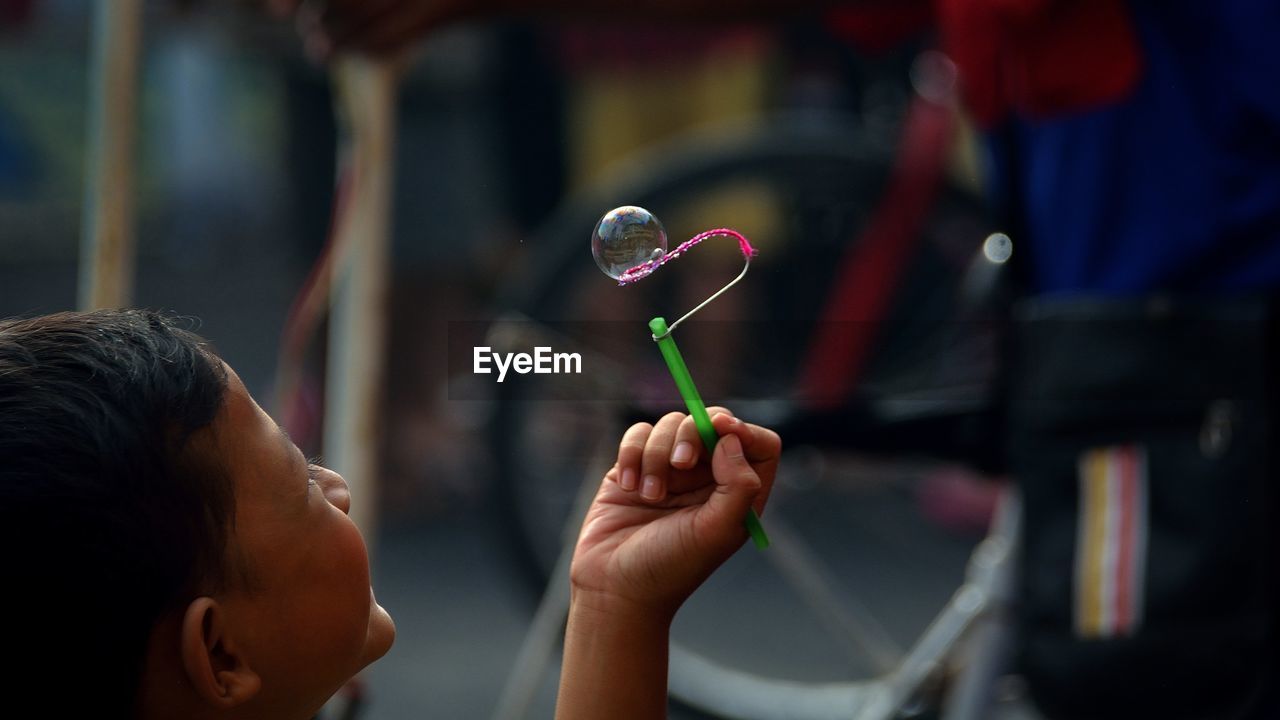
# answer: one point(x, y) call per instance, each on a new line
point(978, 610)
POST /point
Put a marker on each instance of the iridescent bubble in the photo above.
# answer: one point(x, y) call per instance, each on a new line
point(626, 237)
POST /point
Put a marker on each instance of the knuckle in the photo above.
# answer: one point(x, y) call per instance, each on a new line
point(640, 427)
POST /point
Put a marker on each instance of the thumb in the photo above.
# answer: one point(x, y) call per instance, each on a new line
point(737, 484)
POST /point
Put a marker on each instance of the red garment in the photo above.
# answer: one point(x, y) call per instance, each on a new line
point(15, 13)
point(1038, 58)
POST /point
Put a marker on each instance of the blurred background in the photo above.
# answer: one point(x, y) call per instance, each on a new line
point(513, 138)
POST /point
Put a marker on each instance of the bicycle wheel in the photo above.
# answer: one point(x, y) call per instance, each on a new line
point(801, 191)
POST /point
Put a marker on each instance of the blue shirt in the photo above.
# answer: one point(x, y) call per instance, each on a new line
point(1175, 188)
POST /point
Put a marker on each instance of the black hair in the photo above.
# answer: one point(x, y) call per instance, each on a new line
point(109, 515)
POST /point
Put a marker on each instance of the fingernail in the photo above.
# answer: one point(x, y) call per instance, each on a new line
point(732, 446)
point(683, 453)
point(628, 481)
point(650, 490)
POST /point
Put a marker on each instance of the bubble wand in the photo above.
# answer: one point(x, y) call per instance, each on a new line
point(629, 244)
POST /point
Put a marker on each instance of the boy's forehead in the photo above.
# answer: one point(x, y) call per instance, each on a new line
point(243, 411)
point(249, 434)
point(244, 419)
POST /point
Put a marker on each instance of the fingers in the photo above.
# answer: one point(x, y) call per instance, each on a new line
point(689, 448)
point(655, 470)
point(674, 444)
point(759, 443)
point(371, 27)
point(348, 26)
point(648, 454)
point(390, 37)
point(762, 449)
point(630, 451)
point(655, 460)
point(282, 8)
point(737, 488)
point(380, 27)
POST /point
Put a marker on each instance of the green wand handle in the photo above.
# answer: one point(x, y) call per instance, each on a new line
point(688, 391)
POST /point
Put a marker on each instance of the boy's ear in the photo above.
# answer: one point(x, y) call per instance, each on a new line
point(216, 666)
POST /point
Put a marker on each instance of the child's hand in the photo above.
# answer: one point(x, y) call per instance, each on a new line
point(666, 516)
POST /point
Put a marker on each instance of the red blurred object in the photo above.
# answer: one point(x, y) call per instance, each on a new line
point(872, 268)
point(640, 45)
point(1038, 58)
point(15, 13)
point(959, 500)
point(875, 28)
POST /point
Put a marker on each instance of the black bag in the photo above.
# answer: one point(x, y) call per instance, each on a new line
point(1141, 439)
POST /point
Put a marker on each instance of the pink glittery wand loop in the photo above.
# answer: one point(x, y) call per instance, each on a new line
point(643, 269)
point(647, 267)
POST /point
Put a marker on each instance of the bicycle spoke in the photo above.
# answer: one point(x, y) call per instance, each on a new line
point(840, 612)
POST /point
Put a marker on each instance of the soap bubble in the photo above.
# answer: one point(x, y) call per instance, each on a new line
point(626, 237)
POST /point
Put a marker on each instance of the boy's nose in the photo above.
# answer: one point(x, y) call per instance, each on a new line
point(336, 490)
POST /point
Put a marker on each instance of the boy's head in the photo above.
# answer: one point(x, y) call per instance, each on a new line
point(171, 553)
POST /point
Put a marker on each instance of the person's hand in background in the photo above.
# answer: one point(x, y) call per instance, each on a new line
point(370, 27)
point(384, 27)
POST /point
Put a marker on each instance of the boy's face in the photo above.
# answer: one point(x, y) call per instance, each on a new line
point(309, 614)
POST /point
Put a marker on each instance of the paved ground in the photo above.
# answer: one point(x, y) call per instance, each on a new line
point(460, 616)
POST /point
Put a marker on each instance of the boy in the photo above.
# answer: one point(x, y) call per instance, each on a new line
point(172, 554)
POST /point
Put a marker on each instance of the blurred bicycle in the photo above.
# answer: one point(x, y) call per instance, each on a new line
point(866, 347)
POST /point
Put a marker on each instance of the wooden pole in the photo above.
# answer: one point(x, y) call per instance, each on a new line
point(366, 93)
point(107, 241)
